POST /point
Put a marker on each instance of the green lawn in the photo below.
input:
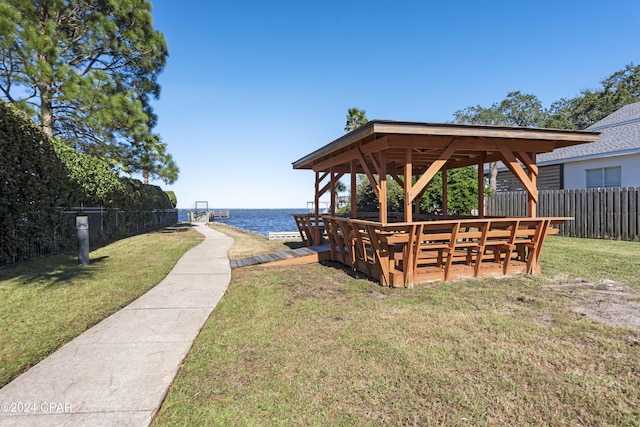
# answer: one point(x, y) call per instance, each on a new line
point(320, 345)
point(48, 302)
point(592, 259)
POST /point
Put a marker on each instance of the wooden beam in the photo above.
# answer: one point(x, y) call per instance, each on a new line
point(445, 193)
point(344, 158)
point(408, 173)
point(431, 171)
point(376, 145)
point(514, 166)
point(533, 176)
point(417, 201)
point(372, 180)
point(383, 190)
point(490, 144)
point(375, 163)
point(339, 159)
point(328, 184)
point(430, 143)
point(481, 188)
point(316, 200)
point(324, 189)
point(332, 193)
point(354, 188)
point(397, 179)
point(528, 162)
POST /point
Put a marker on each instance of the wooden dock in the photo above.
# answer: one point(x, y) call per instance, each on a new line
point(218, 214)
point(285, 235)
point(306, 255)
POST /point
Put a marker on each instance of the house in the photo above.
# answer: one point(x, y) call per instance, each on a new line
point(612, 161)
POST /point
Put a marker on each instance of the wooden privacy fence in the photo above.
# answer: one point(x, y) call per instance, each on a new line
point(600, 213)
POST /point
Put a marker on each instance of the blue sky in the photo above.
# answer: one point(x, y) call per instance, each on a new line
point(251, 86)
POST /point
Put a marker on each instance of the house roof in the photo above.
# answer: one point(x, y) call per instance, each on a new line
point(620, 134)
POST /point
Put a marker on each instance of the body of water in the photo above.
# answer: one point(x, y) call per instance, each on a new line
point(261, 221)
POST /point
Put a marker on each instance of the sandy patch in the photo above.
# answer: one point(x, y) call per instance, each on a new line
point(605, 301)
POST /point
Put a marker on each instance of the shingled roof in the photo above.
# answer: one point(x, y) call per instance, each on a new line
point(620, 135)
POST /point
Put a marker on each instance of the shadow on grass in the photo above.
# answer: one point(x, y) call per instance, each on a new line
point(52, 271)
point(65, 273)
point(57, 269)
point(180, 227)
point(351, 272)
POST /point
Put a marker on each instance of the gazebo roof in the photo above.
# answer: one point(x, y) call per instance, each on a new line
point(384, 141)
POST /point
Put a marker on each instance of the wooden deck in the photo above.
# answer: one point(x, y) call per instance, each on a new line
point(306, 255)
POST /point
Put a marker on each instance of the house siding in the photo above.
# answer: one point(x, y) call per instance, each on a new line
point(549, 178)
point(565, 168)
point(575, 175)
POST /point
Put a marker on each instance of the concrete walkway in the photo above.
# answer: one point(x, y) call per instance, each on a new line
point(118, 372)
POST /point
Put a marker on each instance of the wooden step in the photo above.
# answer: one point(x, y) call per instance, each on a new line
point(306, 255)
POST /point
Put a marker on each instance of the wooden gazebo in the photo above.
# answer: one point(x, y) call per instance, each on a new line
point(413, 247)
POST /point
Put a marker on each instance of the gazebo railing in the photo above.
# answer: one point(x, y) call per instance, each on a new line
point(306, 224)
point(401, 254)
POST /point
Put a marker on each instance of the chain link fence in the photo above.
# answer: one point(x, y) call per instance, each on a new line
point(41, 233)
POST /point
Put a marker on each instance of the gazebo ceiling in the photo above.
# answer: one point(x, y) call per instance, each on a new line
point(387, 142)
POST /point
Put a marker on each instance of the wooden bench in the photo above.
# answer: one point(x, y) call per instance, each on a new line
point(403, 253)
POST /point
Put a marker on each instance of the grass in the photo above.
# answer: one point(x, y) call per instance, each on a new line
point(318, 345)
point(48, 302)
point(593, 259)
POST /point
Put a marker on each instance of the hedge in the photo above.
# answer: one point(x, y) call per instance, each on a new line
point(40, 176)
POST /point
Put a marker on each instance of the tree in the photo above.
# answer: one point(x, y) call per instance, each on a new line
point(462, 192)
point(151, 158)
point(338, 188)
point(366, 200)
point(355, 118)
point(517, 109)
point(86, 71)
point(619, 89)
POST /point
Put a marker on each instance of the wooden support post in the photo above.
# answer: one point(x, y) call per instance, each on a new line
point(316, 202)
point(354, 185)
point(533, 175)
point(417, 201)
point(383, 189)
point(445, 194)
point(332, 191)
point(408, 173)
point(481, 186)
